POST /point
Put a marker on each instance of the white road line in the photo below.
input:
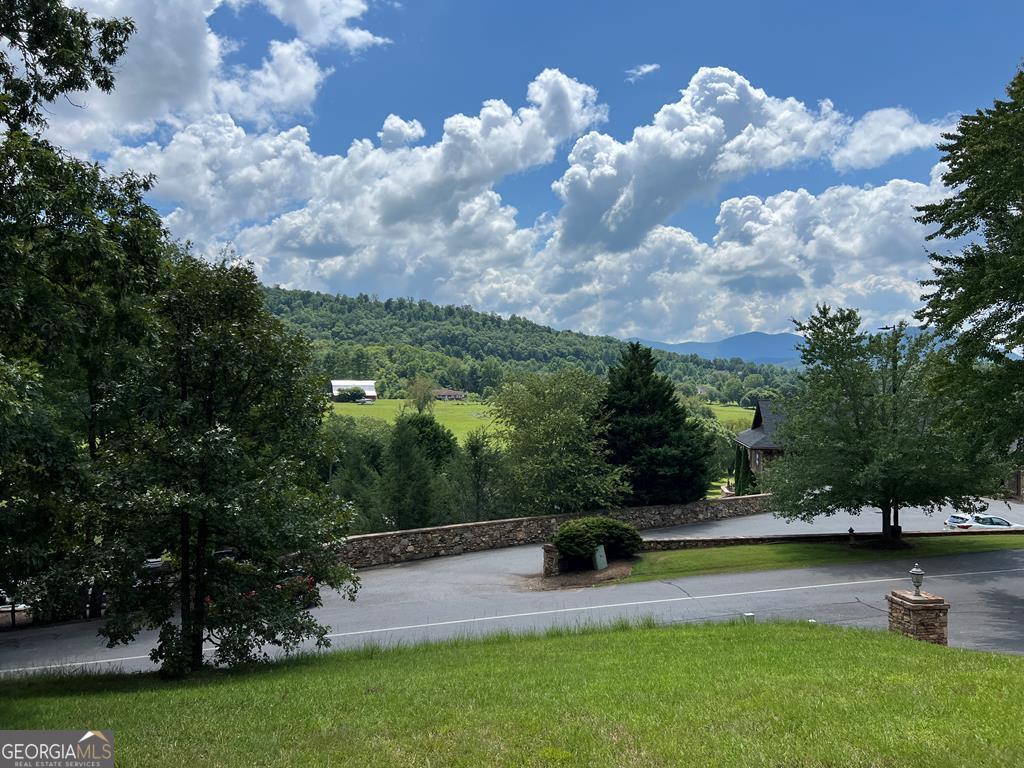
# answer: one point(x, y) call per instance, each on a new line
point(578, 609)
point(605, 606)
point(73, 664)
point(83, 663)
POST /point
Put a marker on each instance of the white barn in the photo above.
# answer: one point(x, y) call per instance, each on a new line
point(340, 385)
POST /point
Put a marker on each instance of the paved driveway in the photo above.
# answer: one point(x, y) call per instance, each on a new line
point(868, 521)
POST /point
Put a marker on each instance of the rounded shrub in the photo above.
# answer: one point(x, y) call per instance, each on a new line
point(579, 538)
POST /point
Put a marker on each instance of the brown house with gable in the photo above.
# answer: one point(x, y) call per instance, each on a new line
point(759, 440)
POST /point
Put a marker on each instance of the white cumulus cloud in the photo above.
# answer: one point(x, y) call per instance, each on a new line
point(397, 132)
point(286, 84)
point(219, 177)
point(394, 215)
point(325, 22)
point(722, 127)
point(882, 134)
point(174, 70)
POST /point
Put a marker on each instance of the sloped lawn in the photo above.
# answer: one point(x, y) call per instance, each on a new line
point(705, 695)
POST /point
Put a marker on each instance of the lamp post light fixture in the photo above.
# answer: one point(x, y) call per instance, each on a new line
point(917, 576)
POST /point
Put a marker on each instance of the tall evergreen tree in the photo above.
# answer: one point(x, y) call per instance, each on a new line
point(745, 482)
point(437, 442)
point(405, 493)
point(668, 454)
point(481, 472)
point(976, 294)
point(977, 291)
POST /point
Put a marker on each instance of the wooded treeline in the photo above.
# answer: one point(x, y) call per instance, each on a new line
point(563, 441)
point(393, 340)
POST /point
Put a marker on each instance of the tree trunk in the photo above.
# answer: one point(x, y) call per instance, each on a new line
point(886, 522)
point(95, 605)
point(96, 600)
point(83, 601)
point(897, 529)
point(199, 606)
point(185, 594)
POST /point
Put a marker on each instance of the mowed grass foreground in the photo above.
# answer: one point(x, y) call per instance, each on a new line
point(460, 418)
point(696, 695)
point(762, 557)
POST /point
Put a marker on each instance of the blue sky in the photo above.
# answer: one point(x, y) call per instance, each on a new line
point(449, 56)
point(745, 203)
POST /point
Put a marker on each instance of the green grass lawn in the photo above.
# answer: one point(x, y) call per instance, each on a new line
point(460, 418)
point(733, 416)
point(694, 695)
point(761, 557)
point(715, 492)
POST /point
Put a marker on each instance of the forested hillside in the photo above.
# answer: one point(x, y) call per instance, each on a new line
point(393, 340)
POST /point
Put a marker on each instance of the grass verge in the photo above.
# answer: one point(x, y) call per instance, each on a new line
point(460, 418)
point(721, 695)
point(735, 417)
point(762, 557)
point(715, 491)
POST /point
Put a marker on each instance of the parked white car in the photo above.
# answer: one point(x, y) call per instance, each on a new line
point(963, 522)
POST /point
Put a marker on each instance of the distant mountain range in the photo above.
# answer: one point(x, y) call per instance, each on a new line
point(754, 347)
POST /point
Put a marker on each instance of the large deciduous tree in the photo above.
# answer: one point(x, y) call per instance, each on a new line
point(39, 472)
point(873, 425)
point(50, 51)
point(420, 394)
point(554, 428)
point(220, 457)
point(667, 453)
point(81, 260)
point(149, 404)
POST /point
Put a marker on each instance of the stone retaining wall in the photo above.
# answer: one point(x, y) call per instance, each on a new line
point(419, 543)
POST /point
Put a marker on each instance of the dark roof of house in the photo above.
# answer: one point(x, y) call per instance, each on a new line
point(761, 435)
point(446, 392)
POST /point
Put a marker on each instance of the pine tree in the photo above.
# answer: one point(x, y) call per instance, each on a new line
point(975, 292)
point(668, 455)
point(405, 495)
point(745, 483)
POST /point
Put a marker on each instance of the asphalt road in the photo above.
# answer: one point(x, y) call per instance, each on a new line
point(489, 591)
point(868, 521)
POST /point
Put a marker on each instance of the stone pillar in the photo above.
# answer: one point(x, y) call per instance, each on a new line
point(552, 560)
point(922, 617)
